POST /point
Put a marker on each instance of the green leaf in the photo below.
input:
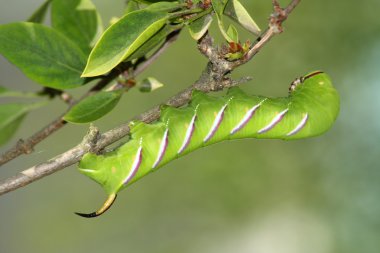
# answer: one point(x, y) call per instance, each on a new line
point(219, 6)
point(78, 20)
point(235, 10)
point(93, 107)
point(122, 39)
point(224, 32)
point(39, 15)
point(233, 33)
point(113, 20)
point(131, 6)
point(152, 42)
point(149, 84)
point(11, 116)
point(154, 1)
point(164, 6)
point(42, 54)
point(200, 26)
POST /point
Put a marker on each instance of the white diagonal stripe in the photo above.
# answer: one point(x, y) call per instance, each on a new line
point(299, 126)
point(162, 149)
point(135, 165)
point(189, 132)
point(215, 124)
point(246, 118)
point(274, 121)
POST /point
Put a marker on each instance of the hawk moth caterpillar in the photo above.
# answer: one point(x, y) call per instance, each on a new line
point(309, 110)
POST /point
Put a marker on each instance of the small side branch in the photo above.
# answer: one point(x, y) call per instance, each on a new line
point(26, 147)
point(278, 16)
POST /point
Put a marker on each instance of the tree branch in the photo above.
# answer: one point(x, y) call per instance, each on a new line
point(212, 78)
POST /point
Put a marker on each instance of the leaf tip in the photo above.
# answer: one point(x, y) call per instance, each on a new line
point(87, 73)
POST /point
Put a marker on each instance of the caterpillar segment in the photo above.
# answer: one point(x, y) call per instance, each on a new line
point(309, 110)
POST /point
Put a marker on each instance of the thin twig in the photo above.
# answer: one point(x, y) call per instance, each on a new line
point(275, 27)
point(27, 146)
point(212, 78)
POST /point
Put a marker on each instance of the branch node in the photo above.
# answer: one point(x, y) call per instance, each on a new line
point(24, 146)
point(278, 16)
point(206, 47)
point(205, 43)
point(91, 138)
point(67, 98)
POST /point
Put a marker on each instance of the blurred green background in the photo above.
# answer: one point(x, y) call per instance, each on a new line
point(318, 195)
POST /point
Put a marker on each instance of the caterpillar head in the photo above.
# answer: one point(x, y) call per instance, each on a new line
point(315, 94)
point(301, 80)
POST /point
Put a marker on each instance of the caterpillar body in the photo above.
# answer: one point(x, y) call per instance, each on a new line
point(310, 109)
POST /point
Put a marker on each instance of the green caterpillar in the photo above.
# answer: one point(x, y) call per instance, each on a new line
point(310, 109)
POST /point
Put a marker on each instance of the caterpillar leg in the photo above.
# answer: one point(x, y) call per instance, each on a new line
point(107, 204)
